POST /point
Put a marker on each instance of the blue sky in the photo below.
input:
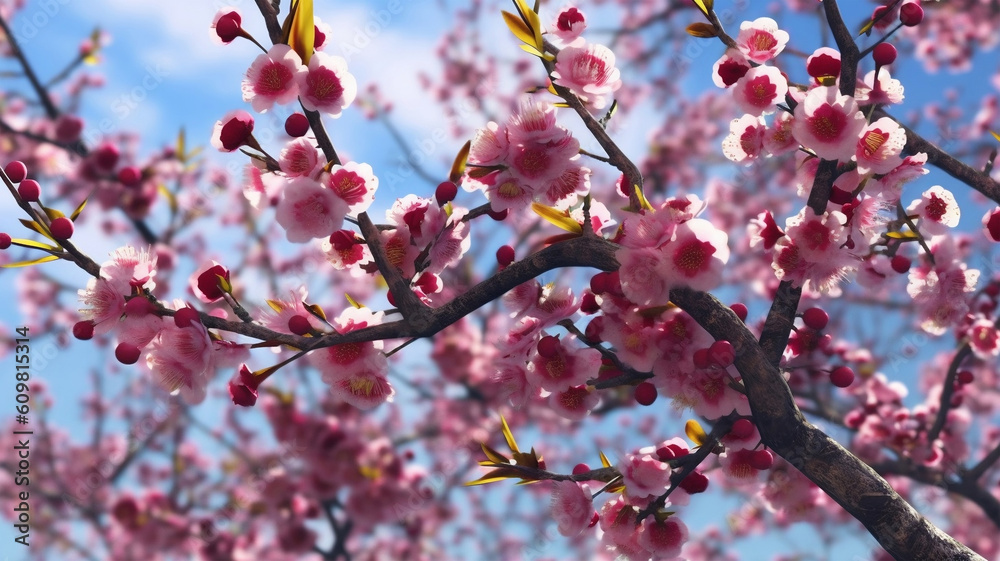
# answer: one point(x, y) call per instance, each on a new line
point(164, 72)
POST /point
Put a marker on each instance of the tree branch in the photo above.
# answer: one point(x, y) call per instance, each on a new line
point(897, 526)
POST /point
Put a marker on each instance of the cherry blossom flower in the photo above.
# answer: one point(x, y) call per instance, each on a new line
point(130, 268)
point(643, 474)
point(569, 24)
point(272, 78)
point(663, 539)
point(778, 138)
point(344, 250)
point(261, 189)
point(730, 68)
point(811, 252)
point(824, 64)
point(364, 389)
point(235, 129)
point(828, 123)
point(179, 358)
point(204, 282)
point(574, 403)
point(309, 210)
point(879, 147)
point(890, 187)
point(327, 86)
point(760, 90)
point(984, 339)
point(299, 158)
point(104, 304)
point(761, 40)
point(572, 507)
point(939, 293)
point(991, 224)
point(589, 72)
point(489, 146)
point(696, 255)
point(884, 90)
point(505, 191)
point(354, 183)
point(937, 211)
point(226, 25)
point(562, 192)
point(745, 140)
point(566, 367)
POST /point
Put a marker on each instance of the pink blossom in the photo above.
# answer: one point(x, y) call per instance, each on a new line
point(261, 189)
point(299, 158)
point(539, 163)
point(984, 339)
point(589, 72)
point(574, 403)
point(879, 147)
point(663, 539)
point(828, 123)
point(130, 268)
point(778, 138)
point(891, 186)
point(568, 25)
point(272, 78)
point(489, 146)
point(563, 191)
point(344, 250)
point(643, 280)
point(566, 368)
point(232, 131)
point(991, 224)
point(309, 210)
point(572, 507)
point(643, 474)
point(937, 211)
point(204, 282)
point(730, 68)
point(327, 86)
point(811, 254)
point(697, 254)
point(353, 183)
point(104, 304)
point(276, 314)
point(940, 293)
point(505, 191)
point(823, 63)
point(761, 40)
point(179, 358)
point(884, 91)
point(760, 90)
point(364, 389)
point(223, 32)
point(745, 140)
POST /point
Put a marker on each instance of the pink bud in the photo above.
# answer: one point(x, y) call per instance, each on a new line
point(16, 171)
point(208, 282)
point(911, 14)
point(186, 316)
point(884, 54)
point(127, 354)
point(445, 192)
point(505, 255)
point(83, 330)
point(61, 228)
point(645, 393)
point(29, 190)
point(296, 125)
point(236, 131)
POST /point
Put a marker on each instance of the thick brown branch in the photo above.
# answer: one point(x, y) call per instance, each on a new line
point(964, 487)
point(947, 163)
point(900, 529)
